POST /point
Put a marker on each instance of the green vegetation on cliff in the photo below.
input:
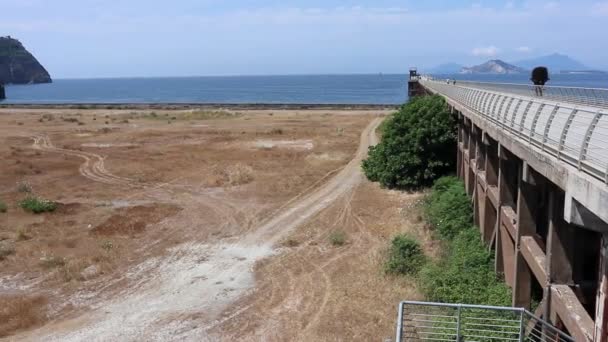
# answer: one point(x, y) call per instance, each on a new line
point(418, 145)
point(18, 66)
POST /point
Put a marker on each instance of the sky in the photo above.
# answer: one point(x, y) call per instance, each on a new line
point(145, 38)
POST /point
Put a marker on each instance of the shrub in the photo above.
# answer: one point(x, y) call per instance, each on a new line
point(448, 208)
point(465, 272)
point(417, 147)
point(3, 207)
point(37, 205)
point(405, 256)
point(464, 275)
point(337, 238)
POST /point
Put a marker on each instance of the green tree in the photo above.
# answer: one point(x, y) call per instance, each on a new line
point(418, 145)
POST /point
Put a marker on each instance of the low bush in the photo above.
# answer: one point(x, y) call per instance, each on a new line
point(464, 275)
point(417, 146)
point(3, 207)
point(337, 238)
point(405, 256)
point(465, 271)
point(37, 205)
point(448, 208)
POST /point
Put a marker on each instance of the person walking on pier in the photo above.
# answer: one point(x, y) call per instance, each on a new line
point(540, 76)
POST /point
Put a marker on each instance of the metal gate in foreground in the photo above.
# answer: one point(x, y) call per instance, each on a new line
point(422, 321)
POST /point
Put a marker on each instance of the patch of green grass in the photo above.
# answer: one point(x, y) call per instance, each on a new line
point(405, 256)
point(337, 238)
point(37, 205)
point(465, 271)
point(448, 208)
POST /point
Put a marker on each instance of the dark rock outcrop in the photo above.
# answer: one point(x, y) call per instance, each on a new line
point(18, 66)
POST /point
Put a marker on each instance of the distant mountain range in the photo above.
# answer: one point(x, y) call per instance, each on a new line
point(557, 63)
point(494, 66)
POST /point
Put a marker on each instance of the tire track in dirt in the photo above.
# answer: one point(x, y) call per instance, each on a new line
point(311, 306)
point(93, 167)
point(198, 279)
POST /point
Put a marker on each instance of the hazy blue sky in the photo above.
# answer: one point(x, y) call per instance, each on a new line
point(108, 38)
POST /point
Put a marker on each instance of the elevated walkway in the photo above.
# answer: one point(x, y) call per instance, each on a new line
point(535, 164)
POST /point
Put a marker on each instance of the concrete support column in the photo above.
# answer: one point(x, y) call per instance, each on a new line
point(459, 152)
point(466, 171)
point(491, 173)
point(472, 159)
point(558, 257)
point(601, 305)
point(479, 196)
point(507, 168)
point(527, 201)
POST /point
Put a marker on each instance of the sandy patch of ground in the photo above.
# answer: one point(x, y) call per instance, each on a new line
point(289, 144)
point(107, 145)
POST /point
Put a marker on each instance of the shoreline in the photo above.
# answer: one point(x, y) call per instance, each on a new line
point(183, 106)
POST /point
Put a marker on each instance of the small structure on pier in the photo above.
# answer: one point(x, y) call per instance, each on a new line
point(413, 87)
point(2, 92)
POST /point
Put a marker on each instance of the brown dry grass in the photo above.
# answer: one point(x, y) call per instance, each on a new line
point(171, 169)
point(18, 312)
point(320, 291)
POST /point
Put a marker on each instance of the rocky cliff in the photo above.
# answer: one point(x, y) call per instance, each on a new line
point(495, 66)
point(18, 66)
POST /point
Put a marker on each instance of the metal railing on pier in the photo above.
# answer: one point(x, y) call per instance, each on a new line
point(596, 97)
point(569, 131)
point(421, 321)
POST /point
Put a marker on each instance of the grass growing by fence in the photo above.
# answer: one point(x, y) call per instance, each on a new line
point(465, 272)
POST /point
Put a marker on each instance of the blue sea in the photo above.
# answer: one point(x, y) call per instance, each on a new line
point(305, 89)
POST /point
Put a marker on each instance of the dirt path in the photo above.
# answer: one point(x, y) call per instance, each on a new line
point(181, 295)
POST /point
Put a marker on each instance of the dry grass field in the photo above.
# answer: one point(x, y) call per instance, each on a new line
point(203, 224)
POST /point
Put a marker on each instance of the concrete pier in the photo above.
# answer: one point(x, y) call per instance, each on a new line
point(545, 216)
